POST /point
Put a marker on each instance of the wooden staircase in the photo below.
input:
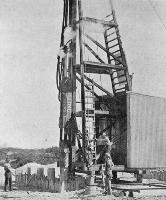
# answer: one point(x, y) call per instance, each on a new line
point(120, 78)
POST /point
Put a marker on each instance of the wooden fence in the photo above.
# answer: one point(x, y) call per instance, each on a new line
point(49, 183)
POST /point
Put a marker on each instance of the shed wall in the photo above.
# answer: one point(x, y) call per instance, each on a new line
point(146, 131)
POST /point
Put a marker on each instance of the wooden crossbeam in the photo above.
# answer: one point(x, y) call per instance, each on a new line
point(98, 68)
point(98, 21)
point(102, 65)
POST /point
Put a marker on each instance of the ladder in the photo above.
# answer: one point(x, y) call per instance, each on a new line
point(90, 124)
point(120, 78)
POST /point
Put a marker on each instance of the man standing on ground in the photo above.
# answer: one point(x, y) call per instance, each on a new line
point(108, 173)
point(8, 174)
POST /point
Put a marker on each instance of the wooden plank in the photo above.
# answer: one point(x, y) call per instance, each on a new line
point(115, 168)
point(97, 112)
point(98, 68)
point(102, 112)
point(98, 21)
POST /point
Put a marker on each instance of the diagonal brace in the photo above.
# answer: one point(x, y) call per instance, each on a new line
point(97, 85)
point(78, 79)
point(91, 50)
point(104, 49)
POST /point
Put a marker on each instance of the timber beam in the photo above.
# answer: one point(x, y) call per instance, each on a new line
point(119, 168)
point(97, 112)
point(98, 68)
point(98, 21)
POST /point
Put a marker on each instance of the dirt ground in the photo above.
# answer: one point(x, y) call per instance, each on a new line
point(96, 193)
point(28, 195)
point(81, 195)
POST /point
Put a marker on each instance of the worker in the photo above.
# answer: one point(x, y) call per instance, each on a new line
point(106, 147)
point(101, 169)
point(108, 173)
point(8, 174)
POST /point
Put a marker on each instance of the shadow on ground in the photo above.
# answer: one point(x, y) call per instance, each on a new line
point(8, 197)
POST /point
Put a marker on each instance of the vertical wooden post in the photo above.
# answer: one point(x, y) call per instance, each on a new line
point(40, 172)
point(64, 169)
point(51, 177)
point(91, 188)
point(82, 81)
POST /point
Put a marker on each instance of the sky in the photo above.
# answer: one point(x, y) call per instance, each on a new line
point(29, 42)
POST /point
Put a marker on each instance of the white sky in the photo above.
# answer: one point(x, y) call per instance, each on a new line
point(29, 42)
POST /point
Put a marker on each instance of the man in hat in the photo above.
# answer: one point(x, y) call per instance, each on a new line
point(108, 173)
point(8, 174)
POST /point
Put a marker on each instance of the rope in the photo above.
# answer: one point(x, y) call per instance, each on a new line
point(157, 14)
